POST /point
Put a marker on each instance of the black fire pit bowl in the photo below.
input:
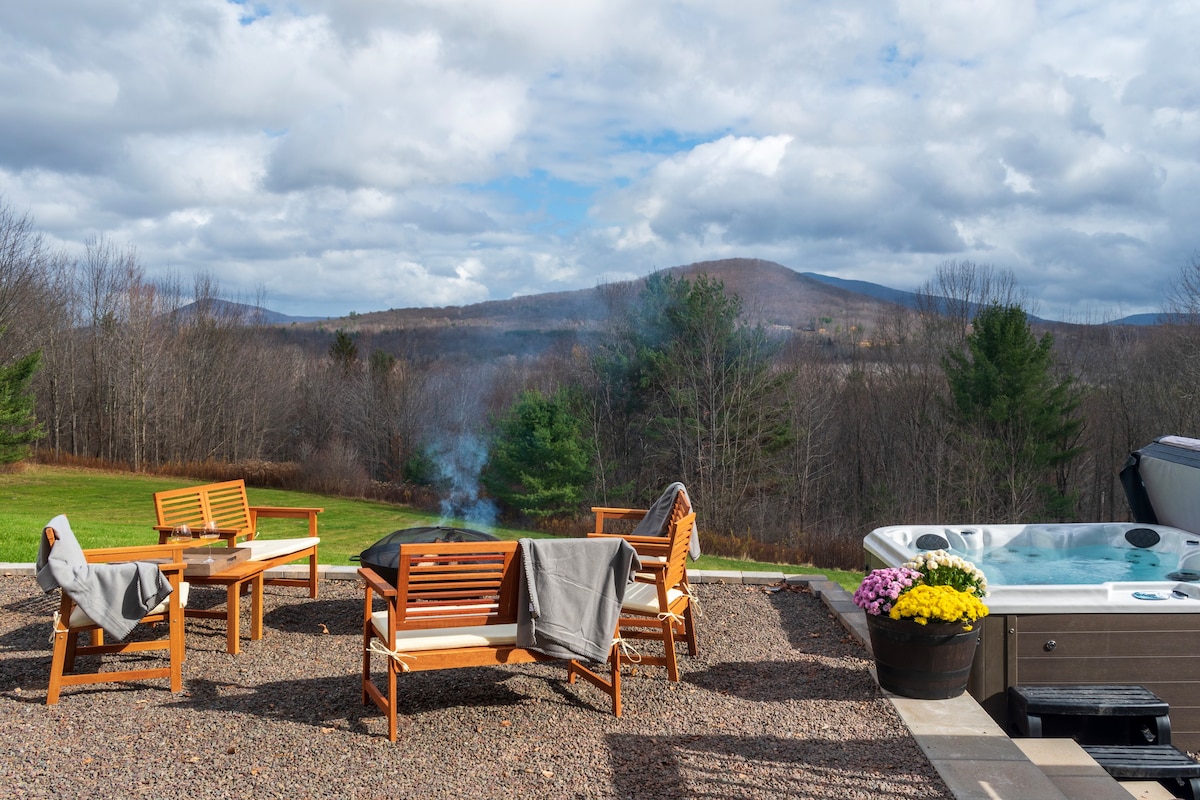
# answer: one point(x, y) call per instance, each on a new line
point(384, 556)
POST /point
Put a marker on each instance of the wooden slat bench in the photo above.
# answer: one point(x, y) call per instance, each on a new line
point(237, 520)
point(454, 605)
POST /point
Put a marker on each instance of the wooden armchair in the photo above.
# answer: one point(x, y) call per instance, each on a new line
point(70, 621)
point(655, 548)
point(659, 602)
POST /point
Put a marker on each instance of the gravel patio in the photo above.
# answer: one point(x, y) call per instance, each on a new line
point(780, 703)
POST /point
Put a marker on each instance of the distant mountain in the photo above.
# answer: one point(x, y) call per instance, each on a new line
point(1150, 319)
point(773, 295)
point(885, 293)
point(246, 312)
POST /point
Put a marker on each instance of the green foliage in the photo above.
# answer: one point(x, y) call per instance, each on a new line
point(691, 394)
point(109, 509)
point(343, 350)
point(539, 464)
point(19, 427)
point(1024, 422)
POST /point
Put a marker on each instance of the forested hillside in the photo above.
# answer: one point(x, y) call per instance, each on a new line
point(800, 418)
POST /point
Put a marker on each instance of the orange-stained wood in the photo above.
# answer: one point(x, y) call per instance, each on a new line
point(66, 638)
point(448, 585)
point(226, 503)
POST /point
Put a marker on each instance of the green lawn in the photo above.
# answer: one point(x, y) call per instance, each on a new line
point(115, 508)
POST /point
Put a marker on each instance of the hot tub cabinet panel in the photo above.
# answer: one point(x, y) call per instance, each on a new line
point(1158, 651)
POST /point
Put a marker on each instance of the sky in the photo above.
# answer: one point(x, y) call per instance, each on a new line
point(330, 156)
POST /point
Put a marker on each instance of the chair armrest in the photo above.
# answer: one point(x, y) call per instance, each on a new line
point(603, 513)
point(169, 558)
point(286, 512)
point(230, 535)
point(376, 583)
point(643, 545)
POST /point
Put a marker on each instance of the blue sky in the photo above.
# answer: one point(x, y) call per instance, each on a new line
point(335, 156)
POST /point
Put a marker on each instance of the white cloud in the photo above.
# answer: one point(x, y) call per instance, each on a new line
point(353, 154)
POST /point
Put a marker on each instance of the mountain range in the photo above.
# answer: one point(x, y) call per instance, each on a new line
point(771, 294)
point(773, 290)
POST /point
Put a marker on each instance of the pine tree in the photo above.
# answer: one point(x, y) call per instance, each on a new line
point(1020, 419)
point(19, 427)
point(539, 463)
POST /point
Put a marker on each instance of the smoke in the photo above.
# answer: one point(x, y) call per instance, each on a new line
point(459, 464)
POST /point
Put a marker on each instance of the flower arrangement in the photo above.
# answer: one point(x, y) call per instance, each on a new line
point(880, 589)
point(933, 587)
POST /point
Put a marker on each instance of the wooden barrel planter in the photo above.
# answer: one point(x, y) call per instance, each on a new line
point(927, 662)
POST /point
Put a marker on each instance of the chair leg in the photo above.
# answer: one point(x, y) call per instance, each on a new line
point(393, 668)
point(312, 576)
point(175, 633)
point(689, 628)
point(668, 640)
point(57, 665)
point(72, 646)
point(366, 669)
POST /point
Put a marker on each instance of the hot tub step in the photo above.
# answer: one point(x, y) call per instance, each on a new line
point(1083, 710)
point(1161, 762)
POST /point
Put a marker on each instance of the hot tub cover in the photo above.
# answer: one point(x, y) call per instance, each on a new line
point(1162, 483)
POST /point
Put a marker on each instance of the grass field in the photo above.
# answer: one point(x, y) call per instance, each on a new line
point(115, 508)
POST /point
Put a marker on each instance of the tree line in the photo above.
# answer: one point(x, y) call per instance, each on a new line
point(793, 446)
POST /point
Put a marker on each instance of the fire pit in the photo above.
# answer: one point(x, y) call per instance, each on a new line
point(384, 556)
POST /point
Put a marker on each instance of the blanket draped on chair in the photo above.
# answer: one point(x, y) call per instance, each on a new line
point(655, 521)
point(114, 596)
point(570, 595)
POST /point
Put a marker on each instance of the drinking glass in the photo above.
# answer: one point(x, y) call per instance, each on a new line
point(209, 532)
point(181, 534)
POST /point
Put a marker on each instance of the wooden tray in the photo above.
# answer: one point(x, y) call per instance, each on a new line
point(195, 560)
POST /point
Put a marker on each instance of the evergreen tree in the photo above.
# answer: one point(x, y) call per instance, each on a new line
point(692, 395)
point(539, 464)
point(1019, 418)
point(19, 427)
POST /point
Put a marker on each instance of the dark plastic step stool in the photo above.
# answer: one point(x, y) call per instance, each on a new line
point(1130, 715)
point(1161, 762)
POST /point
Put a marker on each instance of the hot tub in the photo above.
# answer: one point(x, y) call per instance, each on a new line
point(1088, 603)
point(1081, 568)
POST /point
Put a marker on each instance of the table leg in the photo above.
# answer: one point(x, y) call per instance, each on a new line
point(256, 607)
point(232, 617)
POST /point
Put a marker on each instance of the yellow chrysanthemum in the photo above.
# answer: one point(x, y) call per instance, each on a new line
point(923, 604)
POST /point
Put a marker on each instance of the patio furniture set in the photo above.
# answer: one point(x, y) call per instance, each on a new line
point(452, 604)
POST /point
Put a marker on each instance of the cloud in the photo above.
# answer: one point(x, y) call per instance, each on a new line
point(352, 154)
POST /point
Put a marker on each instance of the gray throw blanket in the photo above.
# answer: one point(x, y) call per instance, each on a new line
point(570, 595)
point(655, 521)
point(115, 596)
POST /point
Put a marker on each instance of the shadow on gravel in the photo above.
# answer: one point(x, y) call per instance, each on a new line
point(322, 702)
point(717, 766)
point(338, 617)
point(797, 622)
point(777, 681)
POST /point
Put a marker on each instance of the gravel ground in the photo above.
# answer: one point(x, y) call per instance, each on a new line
point(779, 703)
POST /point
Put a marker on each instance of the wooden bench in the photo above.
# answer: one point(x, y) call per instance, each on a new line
point(454, 605)
point(225, 503)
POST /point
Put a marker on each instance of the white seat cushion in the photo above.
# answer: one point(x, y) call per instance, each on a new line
point(643, 598)
point(446, 638)
point(266, 549)
point(79, 617)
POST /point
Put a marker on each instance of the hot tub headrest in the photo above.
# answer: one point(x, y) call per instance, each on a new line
point(1162, 483)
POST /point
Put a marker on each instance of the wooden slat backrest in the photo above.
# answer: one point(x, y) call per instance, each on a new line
point(194, 505)
point(676, 558)
point(452, 584)
point(227, 504)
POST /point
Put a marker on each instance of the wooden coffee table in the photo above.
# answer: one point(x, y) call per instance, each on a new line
point(237, 575)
